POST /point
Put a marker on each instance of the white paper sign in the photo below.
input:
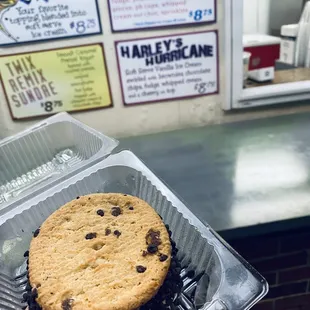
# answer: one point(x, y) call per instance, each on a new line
point(40, 20)
point(163, 68)
point(137, 14)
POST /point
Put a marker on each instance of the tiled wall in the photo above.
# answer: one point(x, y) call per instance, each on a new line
point(284, 260)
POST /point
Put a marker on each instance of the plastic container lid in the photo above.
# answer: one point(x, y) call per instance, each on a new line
point(251, 40)
point(290, 30)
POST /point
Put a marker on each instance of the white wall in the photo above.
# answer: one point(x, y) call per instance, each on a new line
point(256, 16)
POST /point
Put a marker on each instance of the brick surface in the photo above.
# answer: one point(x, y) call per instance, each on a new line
point(287, 290)
point(295, 274)
point(264, 305)
point(301, 302)
point(253, 248)
point(295, 242)
point(271, 277)
point(282, 262)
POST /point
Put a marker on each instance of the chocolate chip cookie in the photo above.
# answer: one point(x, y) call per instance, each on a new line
point(99, 252)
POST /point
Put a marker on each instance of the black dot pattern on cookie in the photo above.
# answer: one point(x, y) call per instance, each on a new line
point(26, 254)
point(117, 233)
point(36, 233)
point(67, 304)
point(163, 257)
point(131, 208)
point(153, 237)
point(78, 197)
point(144, 253)
point(100, 212)
point(116, 211)
point(152, 248)
point(91, 236)
point(140, 269)
point(107, 231)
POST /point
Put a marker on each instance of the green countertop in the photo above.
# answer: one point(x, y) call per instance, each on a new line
point(243, 178)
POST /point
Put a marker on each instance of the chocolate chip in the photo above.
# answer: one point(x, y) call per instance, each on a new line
point(36, 233)
point(125, 195)
point(89, 198)
point(100, 212)
point(107, 231)
point(117, 233)
point(116, 211)
point(131, 208)
point(153, 237)
point(67, 304)
point(140, 269)
point(144, 253)
point(152, 248)
point(26, 254)
point(91, 236)
point(163, 257)
point(78, 197)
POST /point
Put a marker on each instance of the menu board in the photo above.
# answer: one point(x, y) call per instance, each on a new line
point(47, 82)
point(39, 20)
point(169, 67)
point(137, 14)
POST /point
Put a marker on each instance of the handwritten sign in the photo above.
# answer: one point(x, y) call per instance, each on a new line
point(47, 82)
point(137, 14)
point(40, 20)
point(163, 68)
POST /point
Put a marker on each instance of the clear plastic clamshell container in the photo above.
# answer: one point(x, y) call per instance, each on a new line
point(46, 153)
point(214, 276)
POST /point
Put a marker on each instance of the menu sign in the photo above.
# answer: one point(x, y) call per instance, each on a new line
point(171, 67)
point(47, 82)
point(137, 14)
point(39, 20)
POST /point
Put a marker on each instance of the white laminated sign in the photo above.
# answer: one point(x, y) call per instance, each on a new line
point(167, 68)
point(142, 14)
point(40, 20)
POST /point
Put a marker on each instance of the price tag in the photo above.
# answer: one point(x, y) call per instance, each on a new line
point(170, 67)
point(133, 14)
point(39, 20)
point(47, 82)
